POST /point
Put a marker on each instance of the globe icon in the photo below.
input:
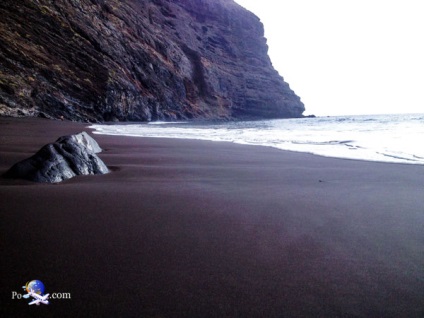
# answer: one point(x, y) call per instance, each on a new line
point(36, 286)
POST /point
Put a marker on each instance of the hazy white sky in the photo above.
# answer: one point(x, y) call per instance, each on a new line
point(345, 57)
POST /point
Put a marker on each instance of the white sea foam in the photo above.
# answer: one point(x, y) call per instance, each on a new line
point(389, 138)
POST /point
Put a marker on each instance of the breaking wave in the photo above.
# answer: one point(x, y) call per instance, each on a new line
point(387, 138)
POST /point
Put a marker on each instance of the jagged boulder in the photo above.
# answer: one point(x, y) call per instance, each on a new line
point(67, 157)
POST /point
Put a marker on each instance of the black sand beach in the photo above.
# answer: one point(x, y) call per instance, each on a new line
point(205, 229)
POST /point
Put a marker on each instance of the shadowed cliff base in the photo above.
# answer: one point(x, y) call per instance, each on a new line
point(94, 60)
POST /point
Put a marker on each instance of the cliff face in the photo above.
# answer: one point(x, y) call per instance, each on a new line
point(101, 60)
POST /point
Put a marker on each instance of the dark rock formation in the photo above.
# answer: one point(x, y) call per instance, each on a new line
point(102, 60)
point(68, 157)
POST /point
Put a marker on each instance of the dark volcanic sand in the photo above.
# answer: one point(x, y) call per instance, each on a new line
point(205, 229)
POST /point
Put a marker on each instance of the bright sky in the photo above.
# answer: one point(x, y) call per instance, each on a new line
point(346, 57)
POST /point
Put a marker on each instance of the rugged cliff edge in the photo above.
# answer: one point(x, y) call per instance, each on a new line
point(101, 60)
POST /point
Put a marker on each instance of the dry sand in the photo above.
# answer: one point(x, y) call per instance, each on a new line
point(205, 229)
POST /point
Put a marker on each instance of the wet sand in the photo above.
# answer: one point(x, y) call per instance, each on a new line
point(185, 228)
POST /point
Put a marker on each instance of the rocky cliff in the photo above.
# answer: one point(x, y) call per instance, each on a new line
point(102, 60)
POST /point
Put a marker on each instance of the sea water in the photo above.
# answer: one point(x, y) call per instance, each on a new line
point(388, 138)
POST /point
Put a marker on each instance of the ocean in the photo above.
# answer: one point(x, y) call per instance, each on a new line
point(384, 138)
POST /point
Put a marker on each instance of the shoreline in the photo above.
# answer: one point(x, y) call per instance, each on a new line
point(356, 140)
point(188, 228)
